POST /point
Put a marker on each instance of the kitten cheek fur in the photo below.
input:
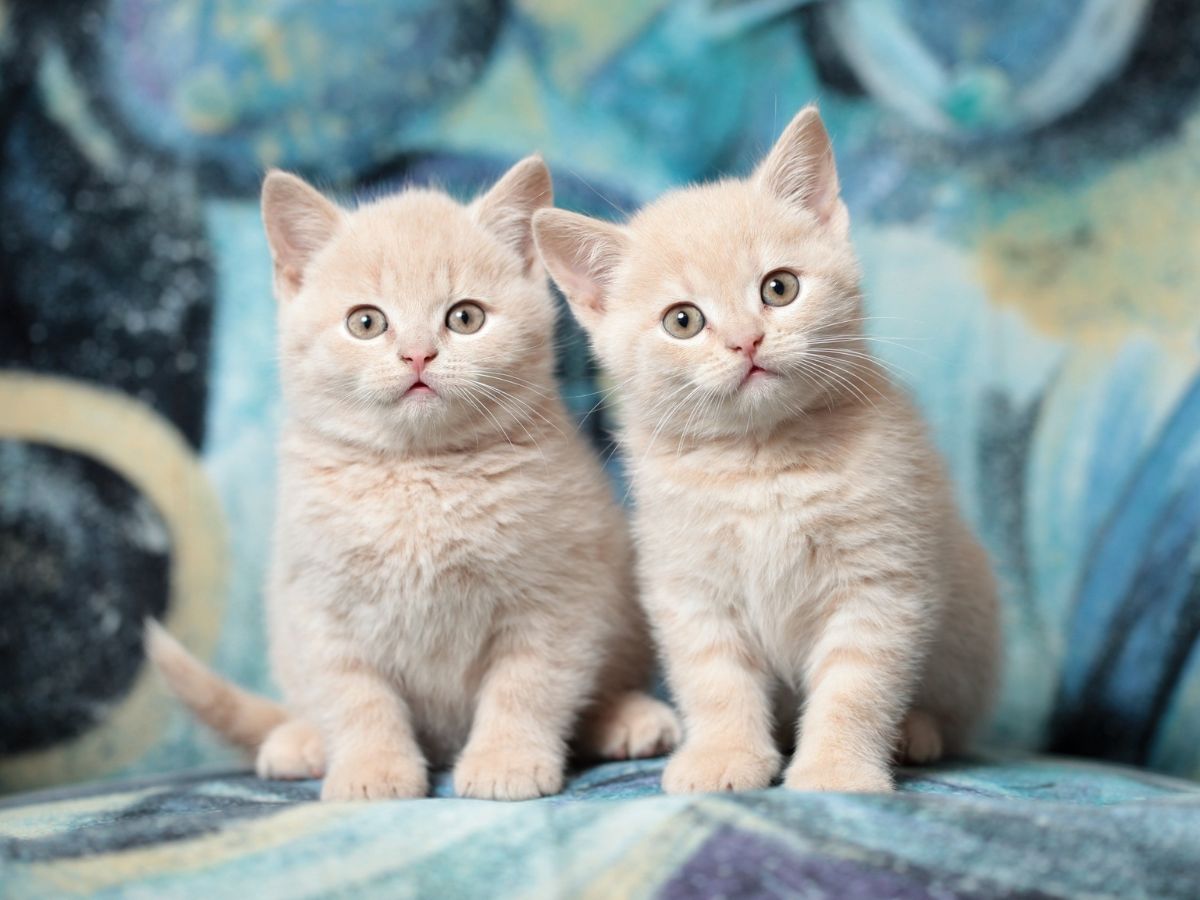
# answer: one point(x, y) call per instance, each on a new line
point(451, 581)
point(847, 582)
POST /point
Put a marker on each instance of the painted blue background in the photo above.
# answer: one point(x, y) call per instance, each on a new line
point(1022, 180)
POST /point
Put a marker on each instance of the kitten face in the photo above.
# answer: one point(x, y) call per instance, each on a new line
point(412, 321)
point(724, 308)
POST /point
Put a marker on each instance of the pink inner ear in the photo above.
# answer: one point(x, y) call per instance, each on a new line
point(581, 254)
point(808, 183)
point(580, 288)
point(825, 199)
point(507, 209)
point(287, 280)
point(801, 169)
point(511, 226)
point(299, 221)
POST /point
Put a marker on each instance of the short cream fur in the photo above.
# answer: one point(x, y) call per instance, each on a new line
point(800, 553)
point(451, 581)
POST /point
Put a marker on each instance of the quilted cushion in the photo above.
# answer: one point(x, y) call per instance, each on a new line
point(1011, 826)
point(1026, 221)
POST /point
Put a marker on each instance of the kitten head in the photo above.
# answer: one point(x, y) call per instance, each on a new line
point(722, 308)
point(411, 321)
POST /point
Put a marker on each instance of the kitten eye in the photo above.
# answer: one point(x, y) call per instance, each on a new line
point(366, 322)
point(780, 287)
point(683, 321)
point(465, 317)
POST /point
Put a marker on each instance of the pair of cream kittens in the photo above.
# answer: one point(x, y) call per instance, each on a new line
point(452, 582)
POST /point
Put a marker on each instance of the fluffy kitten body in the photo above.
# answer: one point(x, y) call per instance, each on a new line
point(800, 553)
point(451, 581)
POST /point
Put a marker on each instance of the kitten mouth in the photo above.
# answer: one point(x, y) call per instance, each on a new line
point(420, 389)
point(756, 373)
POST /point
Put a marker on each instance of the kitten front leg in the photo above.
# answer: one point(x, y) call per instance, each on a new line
point(723, 694)
point(859, 684)
point(373, 752)
point(518, 743)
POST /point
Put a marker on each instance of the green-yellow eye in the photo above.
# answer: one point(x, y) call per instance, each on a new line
point(780, 287)
point(683, 321)
point(465, 317)
point(366, 322)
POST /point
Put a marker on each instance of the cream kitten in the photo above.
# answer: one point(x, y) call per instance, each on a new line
point(451, 580)
point(797, 538)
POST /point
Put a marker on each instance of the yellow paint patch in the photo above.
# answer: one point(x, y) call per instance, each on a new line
point(505, 110)
point(579, 36)
point(205, 101)
point(269, 151)
point(1120, 253)
point(145, 449)
point(675, 840)
point(269, 43)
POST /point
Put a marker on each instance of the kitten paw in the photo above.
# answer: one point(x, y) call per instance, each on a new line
point(375, 776)
point(843, 777)
point(694, 770)
point(292, 751)
point(494, 773)
point(632, 725)
point(920, 739)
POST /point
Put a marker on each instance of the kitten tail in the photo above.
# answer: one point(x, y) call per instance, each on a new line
point(242, 718)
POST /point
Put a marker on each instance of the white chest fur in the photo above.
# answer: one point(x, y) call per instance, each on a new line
point(753, 547)
point(410, 565)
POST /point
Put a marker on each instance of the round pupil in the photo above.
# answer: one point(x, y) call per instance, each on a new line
point(777, 286)
point(682, 319)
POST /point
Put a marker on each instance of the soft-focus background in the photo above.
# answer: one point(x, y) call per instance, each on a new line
point(1023, 177)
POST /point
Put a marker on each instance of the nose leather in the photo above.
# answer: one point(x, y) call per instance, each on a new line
point(747, 344)
point(419, 358)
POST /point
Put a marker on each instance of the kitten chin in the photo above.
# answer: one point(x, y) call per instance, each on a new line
point(435, 553)
point(796, 533)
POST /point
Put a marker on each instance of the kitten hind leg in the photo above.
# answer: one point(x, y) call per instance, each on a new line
point(630, 725)
point(920, 740)
point(292, 751)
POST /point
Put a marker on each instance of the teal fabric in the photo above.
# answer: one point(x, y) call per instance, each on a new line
point(1021, 177)
point(1000, 826)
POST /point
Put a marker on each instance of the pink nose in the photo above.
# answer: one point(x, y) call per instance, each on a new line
point(747, 344)
point(419, 359)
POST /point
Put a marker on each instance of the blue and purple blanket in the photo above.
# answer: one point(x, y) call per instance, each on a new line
point(1002, 826)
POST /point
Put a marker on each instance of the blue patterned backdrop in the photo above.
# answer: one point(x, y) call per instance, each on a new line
point(1022, 175)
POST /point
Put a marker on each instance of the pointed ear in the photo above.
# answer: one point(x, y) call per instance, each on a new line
point(507, 209)
point(800, 169)
point(581, 255)
point(299, 221)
